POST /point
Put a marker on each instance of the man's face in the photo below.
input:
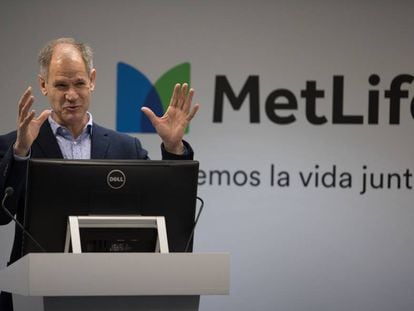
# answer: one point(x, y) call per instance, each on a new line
point(68, 87)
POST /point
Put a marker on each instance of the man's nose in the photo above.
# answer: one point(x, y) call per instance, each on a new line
point(71, 94)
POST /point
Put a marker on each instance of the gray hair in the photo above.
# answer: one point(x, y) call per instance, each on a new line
point(45, 54)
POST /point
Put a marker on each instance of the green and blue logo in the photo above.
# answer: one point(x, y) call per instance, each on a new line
point(135, 90)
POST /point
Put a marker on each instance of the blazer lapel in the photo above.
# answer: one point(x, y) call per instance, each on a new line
point(45, 145)
point(99, 142)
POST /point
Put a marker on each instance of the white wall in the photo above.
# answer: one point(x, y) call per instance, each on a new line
point(292, 248)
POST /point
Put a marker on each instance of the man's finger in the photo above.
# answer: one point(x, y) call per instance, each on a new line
point(150, 115)
point(174, 96)
point(25, 122)
point(44, 115)
point(193, 112)
point(23, 99)
point(25, 109)
point(188, 101)
point(183, 96)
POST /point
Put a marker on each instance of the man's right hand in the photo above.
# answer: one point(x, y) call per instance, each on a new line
point(27, 125)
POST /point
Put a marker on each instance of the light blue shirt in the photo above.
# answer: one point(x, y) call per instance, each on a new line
point(73, 148)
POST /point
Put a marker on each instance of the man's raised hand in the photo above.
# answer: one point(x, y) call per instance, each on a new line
point(171, 126)
point(28, 125)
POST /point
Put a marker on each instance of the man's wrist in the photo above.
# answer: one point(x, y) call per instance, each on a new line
point(20, 153)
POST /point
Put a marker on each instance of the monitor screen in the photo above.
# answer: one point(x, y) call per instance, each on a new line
point(57, 189)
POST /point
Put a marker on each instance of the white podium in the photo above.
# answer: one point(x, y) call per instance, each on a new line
point(118, 281)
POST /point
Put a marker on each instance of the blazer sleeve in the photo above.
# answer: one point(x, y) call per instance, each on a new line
point(12, 174)
point(188, 154)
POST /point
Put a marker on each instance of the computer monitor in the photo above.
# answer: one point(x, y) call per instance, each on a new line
point(57, 189)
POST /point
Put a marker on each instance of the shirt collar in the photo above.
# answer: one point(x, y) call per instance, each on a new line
point(57, 128)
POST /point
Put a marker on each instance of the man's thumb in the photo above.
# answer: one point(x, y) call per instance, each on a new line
point(44, 115)
point(150, 114)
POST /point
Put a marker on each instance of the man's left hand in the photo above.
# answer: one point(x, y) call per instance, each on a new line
point(171, 126)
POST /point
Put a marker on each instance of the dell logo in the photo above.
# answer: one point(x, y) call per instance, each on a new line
point(116, 179)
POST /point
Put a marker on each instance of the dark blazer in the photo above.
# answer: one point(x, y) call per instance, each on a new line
point(105, 144)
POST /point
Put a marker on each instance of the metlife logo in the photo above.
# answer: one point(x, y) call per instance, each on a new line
point(135, 90)
point(281, 105)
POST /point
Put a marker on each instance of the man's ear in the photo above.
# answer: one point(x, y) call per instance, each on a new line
point(42, 84)
point(93, 78)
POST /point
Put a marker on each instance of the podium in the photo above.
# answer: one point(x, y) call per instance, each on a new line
point(118, 281)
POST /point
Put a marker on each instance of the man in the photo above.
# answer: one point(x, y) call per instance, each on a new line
point(67, 78)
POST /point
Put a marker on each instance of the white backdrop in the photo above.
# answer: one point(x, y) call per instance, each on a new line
point(295, 247)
